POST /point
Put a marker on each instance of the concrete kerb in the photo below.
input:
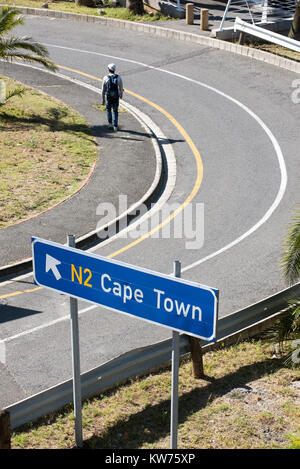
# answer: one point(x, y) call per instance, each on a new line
point(169, 33)
point(162, 167)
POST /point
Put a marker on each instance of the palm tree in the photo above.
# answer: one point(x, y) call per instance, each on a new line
point(287, 327)
point(24, 48)
point(291, 254)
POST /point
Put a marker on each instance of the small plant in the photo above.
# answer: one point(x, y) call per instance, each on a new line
point(57, 113)
point(294, 441)
point(21, 440)
point(17, 92)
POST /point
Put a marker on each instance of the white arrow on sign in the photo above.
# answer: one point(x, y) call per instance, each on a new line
point(51, 264)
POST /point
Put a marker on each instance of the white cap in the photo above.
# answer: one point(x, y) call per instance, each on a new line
point(112, 67)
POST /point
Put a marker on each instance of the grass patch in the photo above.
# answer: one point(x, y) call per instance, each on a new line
point(47, 151)
point(103, 108)
point(278, 50)
point(240, 405)
point(272, 48)
point(107, 11)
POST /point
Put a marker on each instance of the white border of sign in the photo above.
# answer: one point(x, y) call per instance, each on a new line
point(136, 268)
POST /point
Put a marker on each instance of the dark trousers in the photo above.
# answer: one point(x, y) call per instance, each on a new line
point(112, 111)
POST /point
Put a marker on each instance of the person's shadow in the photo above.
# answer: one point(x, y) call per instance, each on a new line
point(103, 131)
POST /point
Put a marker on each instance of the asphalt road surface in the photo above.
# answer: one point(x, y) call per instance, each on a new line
point(234, 130)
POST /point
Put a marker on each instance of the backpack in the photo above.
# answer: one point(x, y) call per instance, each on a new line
point(112, 88)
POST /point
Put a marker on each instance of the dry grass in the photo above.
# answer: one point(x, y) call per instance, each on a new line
point(46, 151)
point(107, 11)
point(279, 50)
point(249, 400)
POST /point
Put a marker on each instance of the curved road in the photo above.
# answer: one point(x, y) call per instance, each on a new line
point(235, 133)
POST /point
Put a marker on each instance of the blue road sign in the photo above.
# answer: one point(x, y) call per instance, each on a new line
point(172, 302)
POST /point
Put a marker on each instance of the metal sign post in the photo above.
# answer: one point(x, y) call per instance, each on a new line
point(175, 375)
point(169, 301)
point(76, 362)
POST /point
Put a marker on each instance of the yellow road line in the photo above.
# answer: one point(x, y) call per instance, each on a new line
point(190, 197)
point(7, 295)
point(189, 141)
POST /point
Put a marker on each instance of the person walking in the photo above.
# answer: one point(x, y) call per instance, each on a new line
point(112, 91)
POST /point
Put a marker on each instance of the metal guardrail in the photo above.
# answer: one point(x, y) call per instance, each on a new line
point(258, 11)
point(239, 325)
point(267, 35)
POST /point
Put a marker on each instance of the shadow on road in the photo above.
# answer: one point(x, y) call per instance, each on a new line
point(54, 123)
point(127, 134)
point(10, 313)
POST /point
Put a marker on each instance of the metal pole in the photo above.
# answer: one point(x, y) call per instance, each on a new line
point(76, 362)
point(178, 6)
point(217, 316)
point(175, 373)
point(264, 15)
point(225, 15)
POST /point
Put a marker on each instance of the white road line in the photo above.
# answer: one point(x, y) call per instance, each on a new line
point(255, 227)
point(43, 326)
point(156, 136)
point(147, 124)
point(275, 144)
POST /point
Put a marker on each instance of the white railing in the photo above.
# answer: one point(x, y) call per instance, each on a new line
point(267, 35)
point(257, 11)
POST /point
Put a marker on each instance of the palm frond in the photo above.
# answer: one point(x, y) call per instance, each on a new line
point(32, 58)
point(291, 255)
point(11, 47)
point(11, 94)
point(296, 316)
point(9, 18)
point(281, 330)
point(16, 92)
point(286, 329)
point(12, 43)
